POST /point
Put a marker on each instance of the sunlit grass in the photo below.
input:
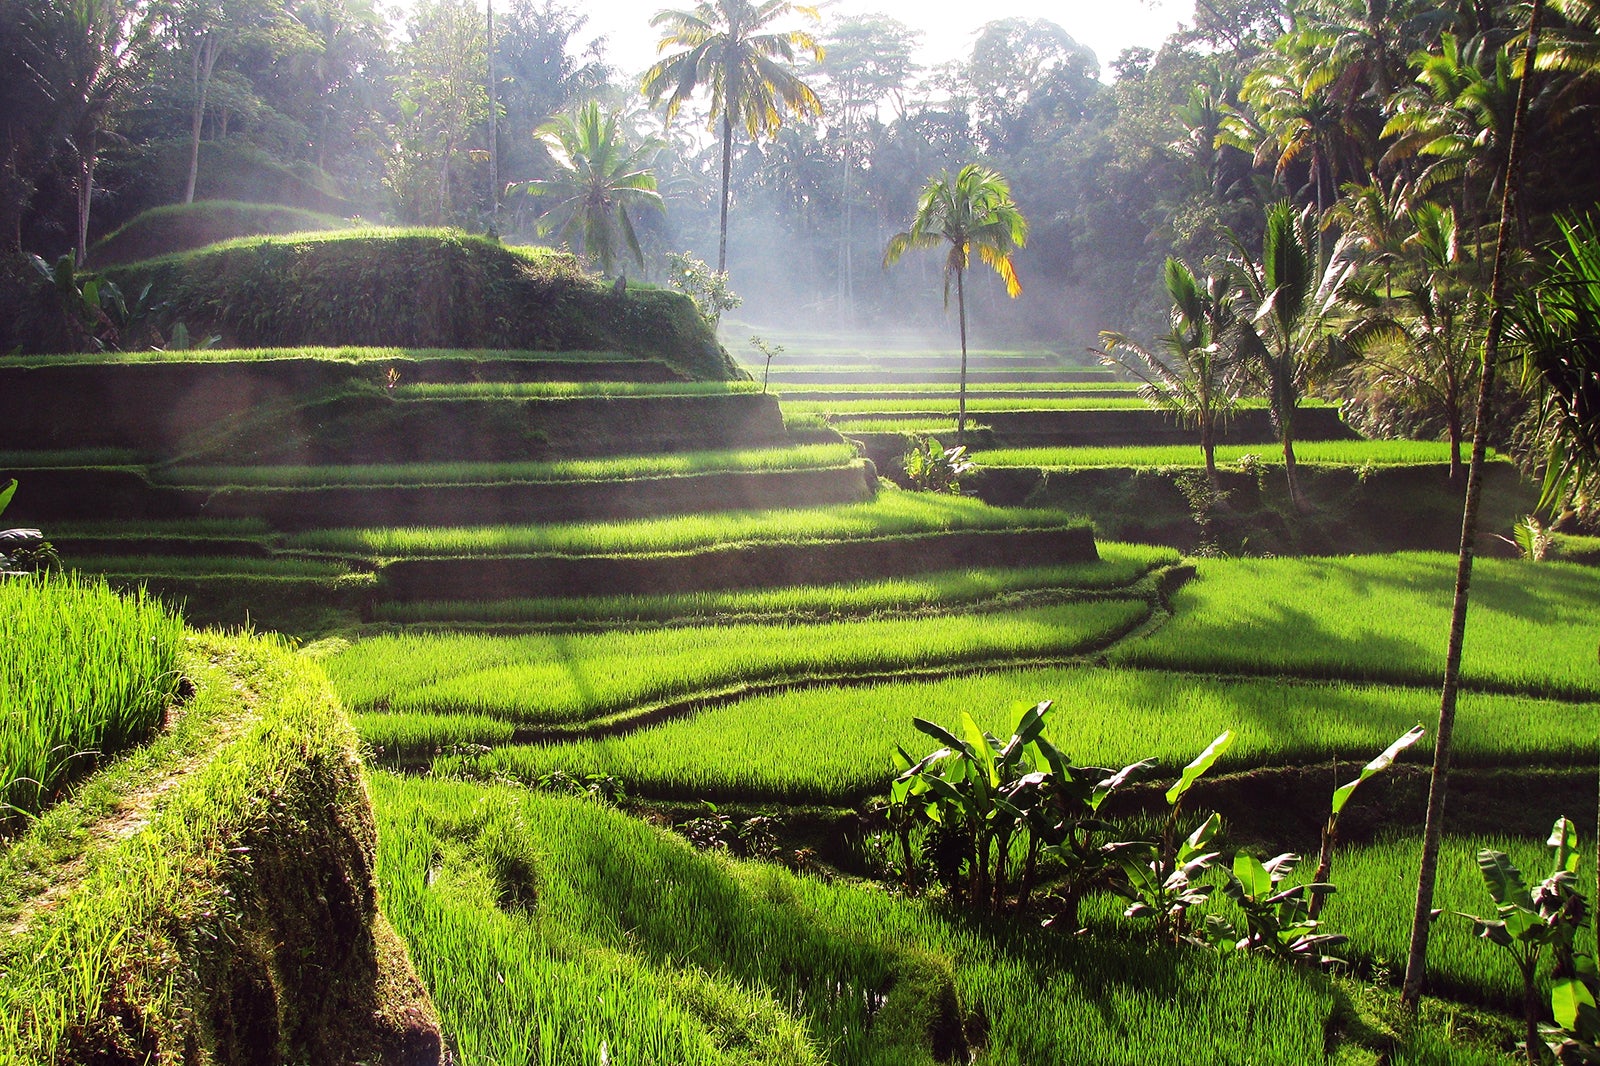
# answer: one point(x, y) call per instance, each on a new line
point(616, 934)
point(892, 512)
point(609, 468)
point(84, 673)
point(1101, 717)
point(1119, 565)
point(570, 390)
point(1530, 627)
point(564, 678)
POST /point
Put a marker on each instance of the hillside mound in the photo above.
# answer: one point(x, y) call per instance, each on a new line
point(417, 289)
point(211, 897)
point(185, 227)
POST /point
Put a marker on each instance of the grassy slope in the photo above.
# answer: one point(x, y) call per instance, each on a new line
point(1383, 619)
point(416, 288)
point(227, 859)
point(182, 227)
point(742, 750)
point(742, 962)
point(892, 513)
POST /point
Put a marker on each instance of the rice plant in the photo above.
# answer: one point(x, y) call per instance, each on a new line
point(568, 390)
point(610, 468)
point(1383, 618)
point(563, 678)
point(1119, 566)
point(1102, 717)
point(615, 935)
point(85, 673)
point(892, 513)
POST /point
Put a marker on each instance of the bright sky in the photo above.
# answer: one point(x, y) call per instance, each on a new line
point(1107, 26)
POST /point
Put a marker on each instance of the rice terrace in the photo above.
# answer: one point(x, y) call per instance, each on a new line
point(566, 534)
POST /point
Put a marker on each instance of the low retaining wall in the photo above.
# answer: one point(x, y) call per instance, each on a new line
point(749, 566)
point(1123, 427)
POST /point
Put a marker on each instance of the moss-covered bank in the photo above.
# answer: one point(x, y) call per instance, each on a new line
point(415, 288)
point(211, 897)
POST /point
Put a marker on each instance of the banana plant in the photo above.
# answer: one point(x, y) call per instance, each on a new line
point(1078, 836)
point(934, 468)
point(1527, 922)
point(1341, 796)
point(977, 788)
point(1277, 920)
point(1162, 877)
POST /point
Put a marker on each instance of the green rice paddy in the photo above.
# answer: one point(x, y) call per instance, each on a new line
point(563, 900)
point(891, 513)
point(1531, 628)
point(1326, 453)
point(85, 673)
point(611, 468)
point(564, 678)
point(1102, 717)
point(1120, 565)
point(570, 390)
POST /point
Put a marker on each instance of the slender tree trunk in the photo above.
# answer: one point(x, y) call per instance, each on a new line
point(494, 133)
point(961, 314)
point(1289, 469)
point(1416, 961)
point(85, 198)
point(1208, 444)
point(727, 174)
point(205, 59)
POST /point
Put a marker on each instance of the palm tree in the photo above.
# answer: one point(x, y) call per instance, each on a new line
point(724, 47)
point(972, 211)
point(1419, 341)
point(1557, 326)
point(599, 177)
point(1291, 339)
point(1443, 737)
point(1197, 380)
point(1457, 116)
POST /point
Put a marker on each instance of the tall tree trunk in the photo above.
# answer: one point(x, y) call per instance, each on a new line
point(727, 174)
point(205, 60)
point(961, 314)
point(1208, 445)
point(494, 134)
point(1416, 961)
point(85, 197)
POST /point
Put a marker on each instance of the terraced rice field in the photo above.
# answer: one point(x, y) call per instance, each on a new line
point(1332, 453)
point(1357, 668)
point(611, 468)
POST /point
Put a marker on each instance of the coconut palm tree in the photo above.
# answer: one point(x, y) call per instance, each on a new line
point(1292, 337)
point(599, 177)
point(726, 44)
point(972, 211)
point(1419, 338)
point(1197, 379)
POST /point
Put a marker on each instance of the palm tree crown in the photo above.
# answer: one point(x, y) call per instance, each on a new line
point(973, 210)
point(599, 178)
point(728, 46)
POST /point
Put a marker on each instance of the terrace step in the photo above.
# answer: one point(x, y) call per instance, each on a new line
point(1122, 427)
point(229, 422)
point(947, 396)
point(881, 376)
point(128, 493)
point(730, 567)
